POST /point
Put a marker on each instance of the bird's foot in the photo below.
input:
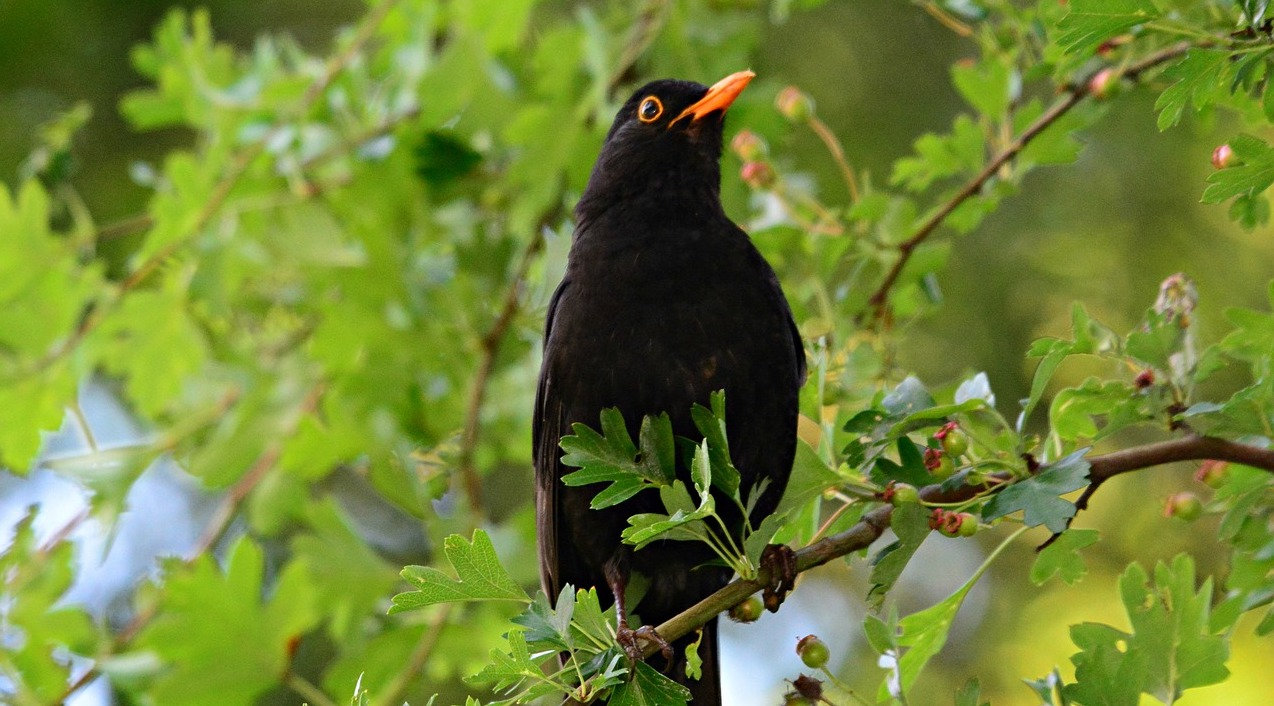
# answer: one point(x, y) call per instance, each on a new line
point(628, 641)
point(780, 562)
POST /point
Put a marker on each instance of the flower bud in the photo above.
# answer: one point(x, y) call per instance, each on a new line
point(1104, 84)
point(748, 145)
point(1223, 156)
point(794, 105)
point(757, 175)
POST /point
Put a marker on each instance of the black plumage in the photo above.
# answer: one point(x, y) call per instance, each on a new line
point(664, 301)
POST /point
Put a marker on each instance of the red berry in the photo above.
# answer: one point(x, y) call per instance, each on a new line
point(1223, 156)
point(812, 651)
point(1184, 506)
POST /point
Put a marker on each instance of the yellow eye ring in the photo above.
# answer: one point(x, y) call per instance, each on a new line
point(650, 109)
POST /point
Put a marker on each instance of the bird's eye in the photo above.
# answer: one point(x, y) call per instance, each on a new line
point(650, 109)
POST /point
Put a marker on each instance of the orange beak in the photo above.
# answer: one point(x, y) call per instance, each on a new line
point(719, 96)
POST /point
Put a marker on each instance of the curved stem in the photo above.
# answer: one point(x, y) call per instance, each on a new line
point(874, 523)
point(1074, 95)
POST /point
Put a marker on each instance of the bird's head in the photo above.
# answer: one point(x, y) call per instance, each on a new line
point(665, 145)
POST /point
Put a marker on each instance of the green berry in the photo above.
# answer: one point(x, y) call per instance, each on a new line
point(1183, 506)
point(968, 525)
point(955, 442)
point(903, 494)
point(1213, 473)
point(945, 468)
point(748, 611)
point(812, 651)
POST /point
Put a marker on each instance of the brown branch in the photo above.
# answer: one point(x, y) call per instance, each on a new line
point(1073, 95)
point(874, 523)
point(1190, 448)
point(392, 692)
point(833, 146)
point(490, 346)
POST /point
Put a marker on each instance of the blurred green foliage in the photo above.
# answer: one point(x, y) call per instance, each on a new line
point(307, 254)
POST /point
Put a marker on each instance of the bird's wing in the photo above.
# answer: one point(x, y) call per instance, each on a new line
point(799, 345)
point(546, 432)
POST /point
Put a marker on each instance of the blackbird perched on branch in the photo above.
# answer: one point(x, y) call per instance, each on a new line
point(664, 301)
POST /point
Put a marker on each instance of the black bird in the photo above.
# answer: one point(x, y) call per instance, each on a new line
point(664, 301)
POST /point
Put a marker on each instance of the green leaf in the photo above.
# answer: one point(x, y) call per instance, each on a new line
point(986, 85)
point(1076, 410)
point(39, 628)
point(970, 694)
point(1062, 557)
point(923, 634)
point(221, 641)
point(612, 457)
point(694, 663)
point(1198, 78)
point(1160, 336)
point(684, 520)
point(507, 669)
point(942, 156)
point(1170, 648)
point(443, 157)
point(711, 423)
point(479, 577)
point(910, 522)
point(810, 477)
point(1037, 496)
point(1090, 22)
point(649, 688)
point(882, 636)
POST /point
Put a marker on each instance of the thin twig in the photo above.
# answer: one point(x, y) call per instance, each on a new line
point(490, 345)
point(644, 31)
point(874, 523)
point(416, 661)
point(838, 155)
point(313, 695)
point(213, 531)
point(946, 19)
point(1073, 95)
point(124, 227)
